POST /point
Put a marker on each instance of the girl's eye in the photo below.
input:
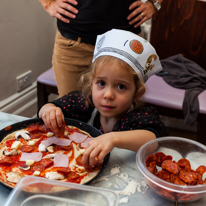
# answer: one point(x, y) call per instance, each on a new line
point(121, 87)
point(101, 83)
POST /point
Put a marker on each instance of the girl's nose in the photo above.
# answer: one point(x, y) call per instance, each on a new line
point(109, 93)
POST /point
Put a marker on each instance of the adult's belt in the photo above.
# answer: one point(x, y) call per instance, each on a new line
point(83, 39)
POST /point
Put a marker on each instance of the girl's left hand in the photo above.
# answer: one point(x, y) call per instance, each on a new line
point(141, 12)
point(98, 147)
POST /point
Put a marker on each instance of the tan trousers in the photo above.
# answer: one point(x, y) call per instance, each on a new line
point(70, 59)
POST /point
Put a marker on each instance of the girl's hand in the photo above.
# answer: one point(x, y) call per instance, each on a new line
point(61, 7)
point(52, 116)
point(98, 147)
point(142, 12)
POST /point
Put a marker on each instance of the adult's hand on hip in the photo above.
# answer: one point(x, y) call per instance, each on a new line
point(61, 8)
point(141, 12)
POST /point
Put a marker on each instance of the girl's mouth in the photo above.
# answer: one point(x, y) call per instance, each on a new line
point(107, 107)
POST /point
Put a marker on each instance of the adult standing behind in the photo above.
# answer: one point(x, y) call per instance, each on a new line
point(79, 22)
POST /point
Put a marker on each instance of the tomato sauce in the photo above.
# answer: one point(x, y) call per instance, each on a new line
point(9, 143)
point(37, 131)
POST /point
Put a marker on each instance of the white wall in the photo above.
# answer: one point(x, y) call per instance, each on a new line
point(27, 35)
point(26, 42)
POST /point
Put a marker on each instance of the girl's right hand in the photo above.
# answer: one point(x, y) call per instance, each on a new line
point(52, 116)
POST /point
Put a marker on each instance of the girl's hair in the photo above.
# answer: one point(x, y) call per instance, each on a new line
point(87, 78)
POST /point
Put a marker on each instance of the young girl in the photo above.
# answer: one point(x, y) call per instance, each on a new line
point(112, 88)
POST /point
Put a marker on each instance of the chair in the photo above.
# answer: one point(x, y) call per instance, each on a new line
point(178, 29)
point(46, 85)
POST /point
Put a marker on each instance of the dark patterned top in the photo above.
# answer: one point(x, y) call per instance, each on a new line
point(74, 106)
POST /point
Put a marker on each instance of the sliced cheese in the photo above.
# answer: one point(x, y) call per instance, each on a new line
point(16, 145)
point(50, 149)
point(29, 162)
point(83, 173)
point(54, 176)
point(50, 134)
point(49, 156)
point(76, 152)
point(77, 168)
point(81, 151)
point(36, 173)
point(69, 154)
point(80, 169)
point(42, 148)
point(31, 142)
point(66, 133)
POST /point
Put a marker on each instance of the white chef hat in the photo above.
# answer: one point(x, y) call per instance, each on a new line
point(130, 48)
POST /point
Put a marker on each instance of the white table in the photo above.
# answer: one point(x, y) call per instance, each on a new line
point(123, 162)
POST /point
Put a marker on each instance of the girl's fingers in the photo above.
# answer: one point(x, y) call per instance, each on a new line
point(59, 118)
point(53, 120)
point(87, 159)
point(95, 152)
point(101, 156)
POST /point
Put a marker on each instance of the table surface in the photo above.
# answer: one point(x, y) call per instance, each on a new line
point(120, 172)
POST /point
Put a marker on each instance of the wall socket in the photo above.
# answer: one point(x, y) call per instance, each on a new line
point(24, 80)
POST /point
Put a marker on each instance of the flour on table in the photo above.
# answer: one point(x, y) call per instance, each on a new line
point(124, 176)
point(115, 170)
point(123, 200)
point(129, 189)
point(103, 178)
point(119, 181)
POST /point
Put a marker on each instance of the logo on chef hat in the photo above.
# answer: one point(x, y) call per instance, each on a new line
point(136, 46)
point(100, 42)
point(150, 63)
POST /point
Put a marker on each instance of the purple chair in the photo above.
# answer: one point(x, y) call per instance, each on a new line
point(46, 85)
point(172, 34)
point(168, 101)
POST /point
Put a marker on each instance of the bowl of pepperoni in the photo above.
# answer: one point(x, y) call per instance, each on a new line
point(174, 168)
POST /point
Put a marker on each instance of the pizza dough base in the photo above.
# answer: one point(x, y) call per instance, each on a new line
point(35, 189)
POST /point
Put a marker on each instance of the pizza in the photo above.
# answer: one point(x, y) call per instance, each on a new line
point(37, 151)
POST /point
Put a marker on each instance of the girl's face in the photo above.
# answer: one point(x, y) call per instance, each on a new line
point(113, 90)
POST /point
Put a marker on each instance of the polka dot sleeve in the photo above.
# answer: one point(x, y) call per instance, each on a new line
point(146, 118)
point(74, 106)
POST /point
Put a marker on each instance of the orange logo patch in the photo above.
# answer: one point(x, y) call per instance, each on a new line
point(136, 46)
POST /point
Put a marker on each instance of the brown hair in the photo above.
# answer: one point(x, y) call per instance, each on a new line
point(87, 78)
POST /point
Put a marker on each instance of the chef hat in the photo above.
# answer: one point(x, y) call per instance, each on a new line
point(130, 48)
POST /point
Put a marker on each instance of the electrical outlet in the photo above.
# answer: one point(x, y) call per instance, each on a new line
point(24, 80)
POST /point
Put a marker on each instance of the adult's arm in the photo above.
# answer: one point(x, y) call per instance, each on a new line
point(60, 8)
